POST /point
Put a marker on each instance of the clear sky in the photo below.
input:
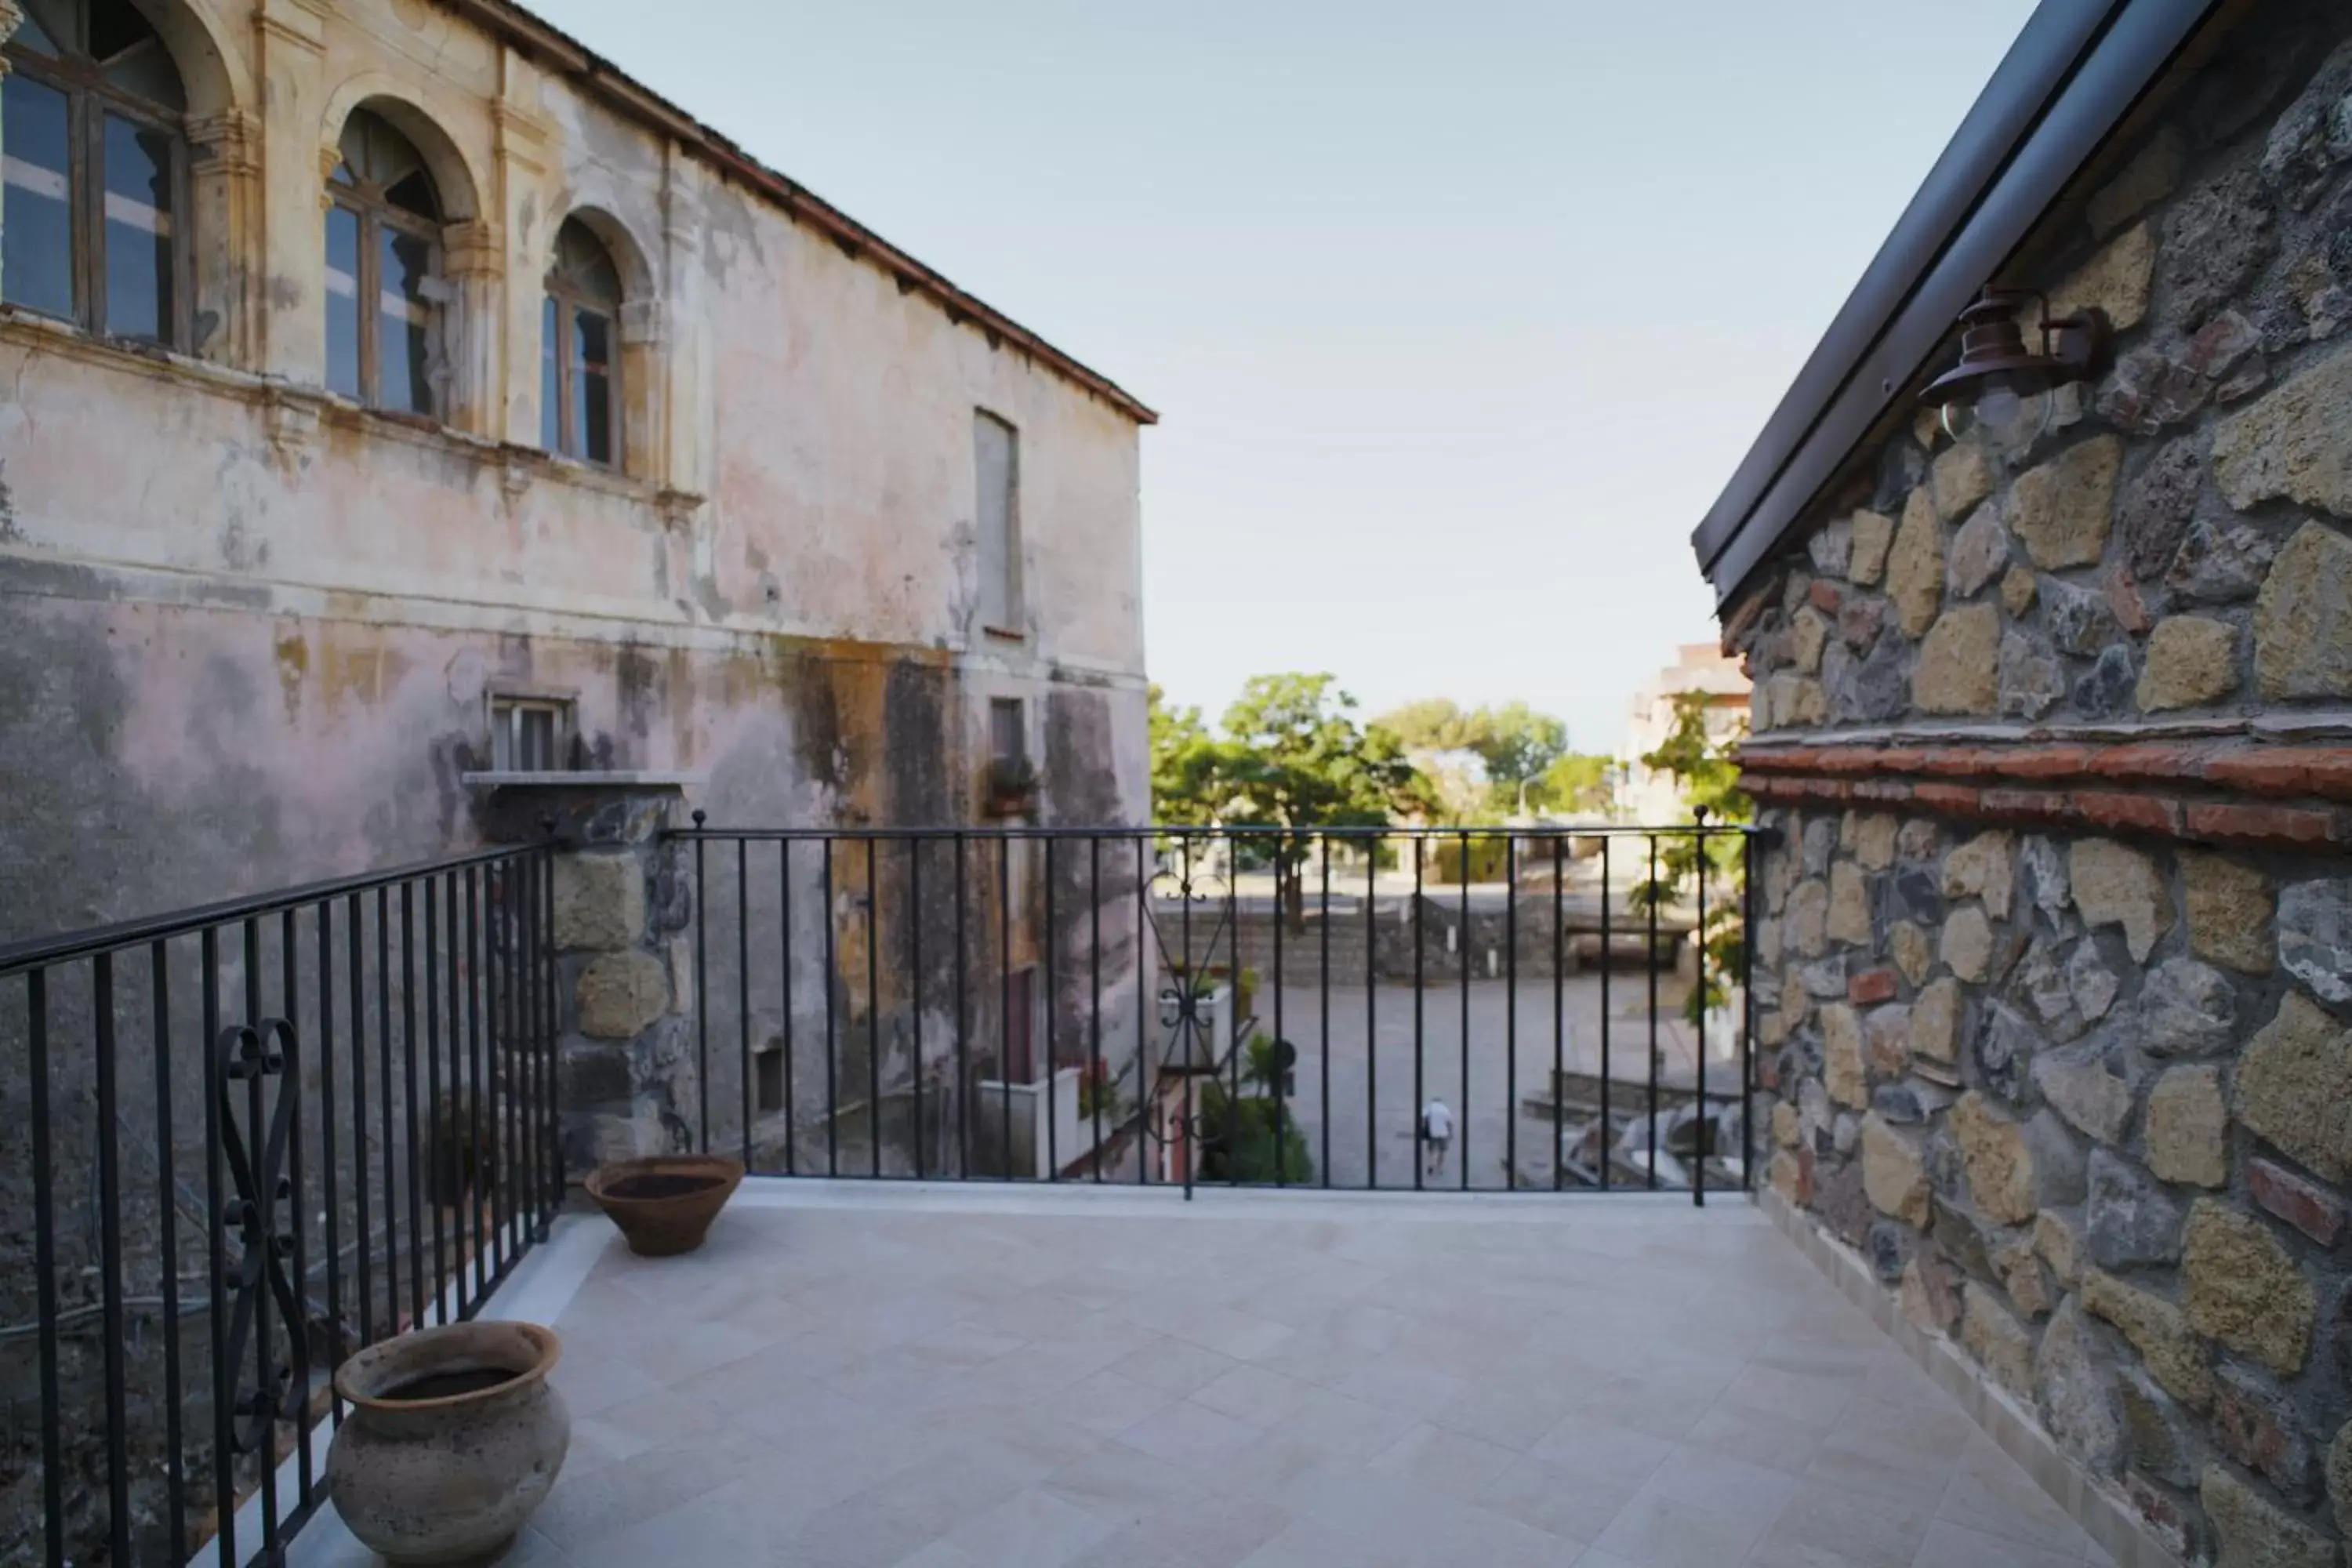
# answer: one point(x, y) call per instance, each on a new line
point(1458, 316)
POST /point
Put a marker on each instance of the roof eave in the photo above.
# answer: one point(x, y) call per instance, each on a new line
point(2073, 75)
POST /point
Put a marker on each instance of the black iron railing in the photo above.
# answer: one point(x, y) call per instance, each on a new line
point(248, 1139)
point(1236, 1006)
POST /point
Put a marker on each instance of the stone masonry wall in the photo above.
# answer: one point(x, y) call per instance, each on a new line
point(2054, 952)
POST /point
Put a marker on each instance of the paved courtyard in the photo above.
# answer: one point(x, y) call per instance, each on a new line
point(847, 1378)
point(1374, 1086)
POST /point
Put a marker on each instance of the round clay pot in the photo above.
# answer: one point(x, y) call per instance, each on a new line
point(664, 1204)
point(454, 1439)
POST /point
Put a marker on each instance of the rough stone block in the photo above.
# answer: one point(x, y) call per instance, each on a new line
point(2188, 1127)
point(1808, 635)
point(2078, 1085)
point(1980, 869)
point(2060, 511)
point(1913, 953)
point(1966, 946)
point(2256, 1533)
point(2116, 281)
point(2115, 885)
point(1915, 566)
point(2128, 1223)
point(2315, 935)
point(2232, 910)
point(1960, 663)
point(1999, 1343)
point(2244, 1289)
point(2155, 508)
point(1936, 1021)
point(2175, 1356)
point(1960, 477)
point(1886, 1035)
point(1849, 905)
point(620, 994)
point(2303, 616)
point(1866, 561)
point(1806, 925)
point(600, 900)
point(1843, 1071)
point(2074, 1387)
point(1979, 551)
point(2220, 565)
point(1999, 1162)
point(2295, 1087)
point(2031, 681)
point(2186, 1009)
point(2298, 1200)
point(2090, 982)
point(2055, 1244)
point(2292, 442)
point(2192, 661)
point(1893, 1173)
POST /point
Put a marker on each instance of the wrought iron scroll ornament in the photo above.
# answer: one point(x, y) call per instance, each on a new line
point(256, 1153)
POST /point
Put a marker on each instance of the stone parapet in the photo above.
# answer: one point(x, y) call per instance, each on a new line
point(622, 897)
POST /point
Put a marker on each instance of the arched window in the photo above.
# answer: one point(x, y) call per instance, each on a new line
point(579, 377)
point(92, 184)
point(383, 272)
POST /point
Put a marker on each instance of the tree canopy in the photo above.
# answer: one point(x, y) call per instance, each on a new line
point(1521, 756)
point(1291, 755)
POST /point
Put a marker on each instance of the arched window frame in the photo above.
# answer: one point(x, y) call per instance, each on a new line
point(92, 101)
point(574, 291)
point(374, 216)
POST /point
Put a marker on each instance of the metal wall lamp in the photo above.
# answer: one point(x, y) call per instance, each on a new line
point(1998, 381)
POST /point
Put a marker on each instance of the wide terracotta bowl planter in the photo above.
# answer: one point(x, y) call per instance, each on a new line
point(665, 1204)
point(454, 1439)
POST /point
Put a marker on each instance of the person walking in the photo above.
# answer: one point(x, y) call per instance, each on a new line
point(1436, 1133)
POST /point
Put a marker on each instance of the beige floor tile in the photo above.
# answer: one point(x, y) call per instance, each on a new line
point(1660, 1532)
point(1553, 1498)
point(1189, 1433)
point(1443, 1460)
point(1031, 1529)
point(1951, 1545)
point(1829, 1526)
point(1992, 1494)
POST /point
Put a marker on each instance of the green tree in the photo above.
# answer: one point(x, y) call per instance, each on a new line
point(1575, 781)
point(1707, 771)
point(1517, 746)
point(1295, 758)
point(1187, 763)
point(1434, 724)
point(1240, 1137)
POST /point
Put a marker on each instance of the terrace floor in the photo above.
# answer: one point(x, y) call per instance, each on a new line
point(860, 1375)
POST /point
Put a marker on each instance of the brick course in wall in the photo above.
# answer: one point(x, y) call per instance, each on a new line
point(2055, 734)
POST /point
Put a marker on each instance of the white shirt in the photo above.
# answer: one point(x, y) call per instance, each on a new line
point(1436, 1120)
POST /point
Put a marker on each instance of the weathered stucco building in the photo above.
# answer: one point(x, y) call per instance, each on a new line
point(382, 374)
point(2054, 723)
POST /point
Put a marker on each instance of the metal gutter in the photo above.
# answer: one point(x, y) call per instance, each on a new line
point(2073, 74)
point(601, 78)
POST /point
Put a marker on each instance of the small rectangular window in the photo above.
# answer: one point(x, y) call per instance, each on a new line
point(529, 735)
point(996, 465)
point(1008, 731)
point(768, 1083)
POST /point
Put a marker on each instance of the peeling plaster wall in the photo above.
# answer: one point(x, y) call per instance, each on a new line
point(253, 629)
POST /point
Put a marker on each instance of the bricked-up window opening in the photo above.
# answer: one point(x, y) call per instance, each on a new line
point(384, 287)
point(93, 172)
point(579, 389)
point(996, 464)
point(529, 735)
point(1021, 1026)
point(767, 1086)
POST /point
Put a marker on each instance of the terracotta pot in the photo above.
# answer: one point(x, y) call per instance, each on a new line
point(664, 1204)
point(454, 1439)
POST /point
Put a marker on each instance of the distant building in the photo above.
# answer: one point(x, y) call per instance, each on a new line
point(1646, 795)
